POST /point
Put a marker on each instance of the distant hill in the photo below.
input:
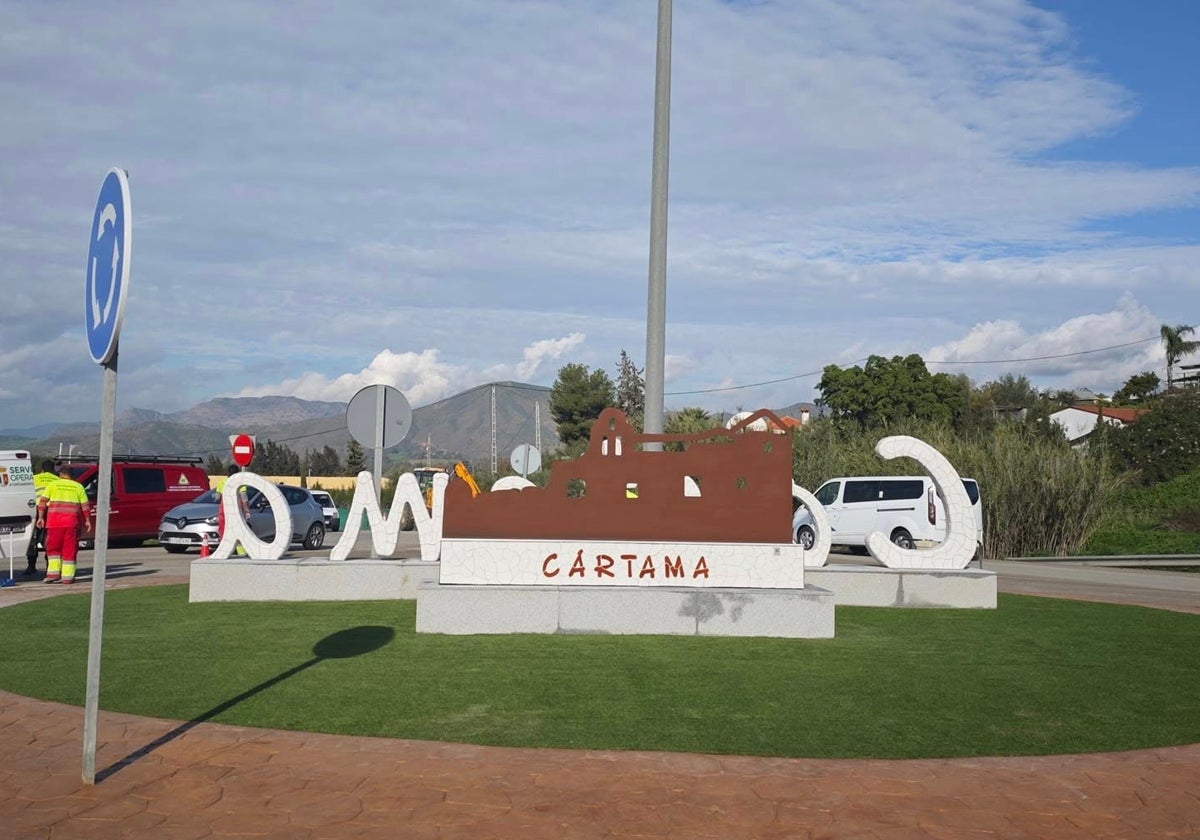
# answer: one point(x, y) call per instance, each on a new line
point(241, 413)
point(795, 409)
point(28, 433)
point(455, 428)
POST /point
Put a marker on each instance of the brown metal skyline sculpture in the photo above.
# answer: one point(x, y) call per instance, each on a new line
point(717, 486)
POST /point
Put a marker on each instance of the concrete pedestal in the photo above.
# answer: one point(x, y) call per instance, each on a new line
point(307, 579)
point(876, 586)
point(466, 609)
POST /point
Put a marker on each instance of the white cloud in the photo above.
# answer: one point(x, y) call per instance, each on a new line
point(454, 181)
point(421, 377)
point(1098, 350)
point(546, 350)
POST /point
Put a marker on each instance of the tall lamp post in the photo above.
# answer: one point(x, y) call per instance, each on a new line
point(656, 308)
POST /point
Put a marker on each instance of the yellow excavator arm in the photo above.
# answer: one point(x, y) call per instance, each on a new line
point(460, 470)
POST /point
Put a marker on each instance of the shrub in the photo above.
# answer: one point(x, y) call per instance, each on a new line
point(1163, 519)
point(1162, 444)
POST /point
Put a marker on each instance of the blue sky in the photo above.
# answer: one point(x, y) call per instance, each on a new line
point(439, 195)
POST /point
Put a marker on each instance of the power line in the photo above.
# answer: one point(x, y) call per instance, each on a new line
point(1043, 358)
point(927, 361)
point(754, 384)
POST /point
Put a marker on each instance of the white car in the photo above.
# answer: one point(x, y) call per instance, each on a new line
point(333, 519)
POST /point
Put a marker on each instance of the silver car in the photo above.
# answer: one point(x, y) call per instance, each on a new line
point(192, 524)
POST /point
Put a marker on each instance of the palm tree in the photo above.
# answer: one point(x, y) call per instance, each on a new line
point(1176, 347)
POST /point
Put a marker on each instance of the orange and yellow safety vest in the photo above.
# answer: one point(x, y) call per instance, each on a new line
point(64, 503)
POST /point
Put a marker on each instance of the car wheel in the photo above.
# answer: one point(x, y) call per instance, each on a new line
point(805, 537)
point(903, 539)
point(175, 549)
point(315, 538)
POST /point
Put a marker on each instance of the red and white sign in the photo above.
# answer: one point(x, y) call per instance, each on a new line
point(243, 449)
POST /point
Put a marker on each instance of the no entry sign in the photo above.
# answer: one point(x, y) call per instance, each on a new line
point(243, 449)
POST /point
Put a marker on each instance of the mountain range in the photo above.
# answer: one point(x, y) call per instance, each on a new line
point(456, 428)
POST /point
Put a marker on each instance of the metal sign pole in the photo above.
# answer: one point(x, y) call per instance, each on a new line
point(105, 292)
point(91, 709)
point(380, 403)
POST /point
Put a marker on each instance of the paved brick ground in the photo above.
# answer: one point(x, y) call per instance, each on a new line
point(163, 779)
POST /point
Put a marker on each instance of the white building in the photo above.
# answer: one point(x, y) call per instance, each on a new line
point(1079, 421)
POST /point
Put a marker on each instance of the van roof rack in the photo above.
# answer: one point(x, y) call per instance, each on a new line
point(141, 459)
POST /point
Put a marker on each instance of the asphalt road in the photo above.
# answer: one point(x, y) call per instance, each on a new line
point(1148, 587)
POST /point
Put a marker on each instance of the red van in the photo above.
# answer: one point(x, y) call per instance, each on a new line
point(143, 489)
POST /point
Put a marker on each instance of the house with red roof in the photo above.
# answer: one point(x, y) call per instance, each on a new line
point(1079, 421)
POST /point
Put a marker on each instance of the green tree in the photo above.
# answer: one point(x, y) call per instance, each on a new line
point(687, 421)
point(325, 462)
point(1010, 392)
point(273, 458)
point(356, 459)
point(1176, 347)
point(213, 465)
point(886, 391)
point(576, 400)
point(1137, 389)
point(1163, 443)
point(631, 391)
point(1004, 400)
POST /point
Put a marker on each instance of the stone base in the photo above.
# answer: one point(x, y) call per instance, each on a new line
point(876, 586)
point(468, 609)
point(307, 579)
point(601, 609)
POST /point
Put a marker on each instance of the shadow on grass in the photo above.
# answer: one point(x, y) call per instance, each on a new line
point(344, 644)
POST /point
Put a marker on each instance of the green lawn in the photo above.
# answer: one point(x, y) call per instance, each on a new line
point(1035, 676)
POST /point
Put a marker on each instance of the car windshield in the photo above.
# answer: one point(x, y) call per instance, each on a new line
point(323, 499)
point(212, 497)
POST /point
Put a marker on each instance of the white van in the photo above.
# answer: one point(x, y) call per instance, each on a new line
point(18, 503)
point(906, 509)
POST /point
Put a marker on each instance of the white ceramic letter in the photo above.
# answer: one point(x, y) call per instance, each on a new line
point(957, 549)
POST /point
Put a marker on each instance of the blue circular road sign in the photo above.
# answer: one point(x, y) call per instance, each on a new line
point(107, 284)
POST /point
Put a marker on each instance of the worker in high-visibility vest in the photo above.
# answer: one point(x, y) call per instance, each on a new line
point(38, 539)
point(63, 510)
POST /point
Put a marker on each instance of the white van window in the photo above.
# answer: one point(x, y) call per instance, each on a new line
point(972, 490)
point(827, 494)
point(890, 491)
point(861, 491)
